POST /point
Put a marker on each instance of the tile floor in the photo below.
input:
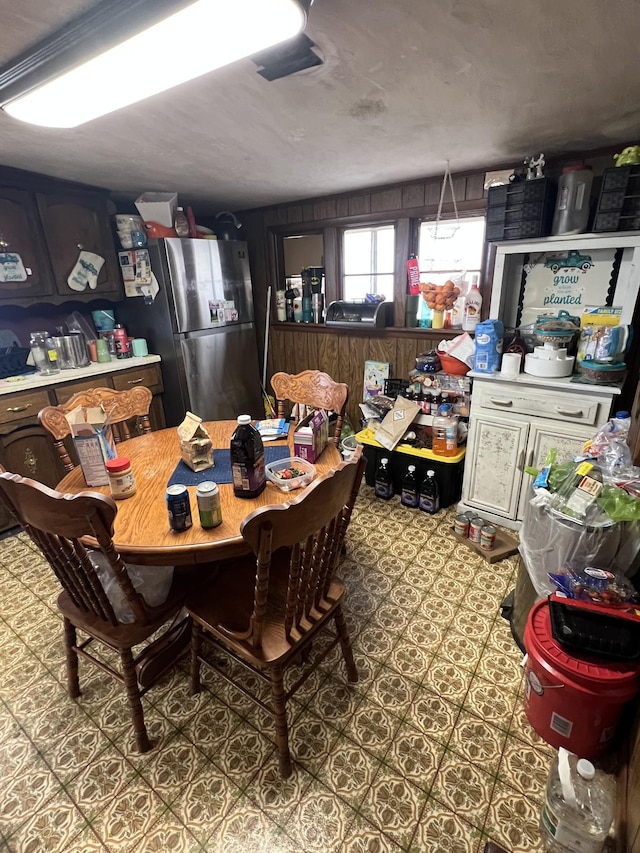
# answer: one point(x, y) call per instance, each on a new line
point(430, 751)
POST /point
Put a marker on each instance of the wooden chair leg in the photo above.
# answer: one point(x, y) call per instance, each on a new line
point(345, 643)
point(133, 695)
point(280, 715)
point(196, 642)
point(70, 641)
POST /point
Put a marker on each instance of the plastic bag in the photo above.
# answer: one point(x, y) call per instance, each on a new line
point(594, 584)
point(152, 582)
point(619, 505)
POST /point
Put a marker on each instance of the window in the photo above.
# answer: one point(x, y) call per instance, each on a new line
point(456, 252)
point(368, 262)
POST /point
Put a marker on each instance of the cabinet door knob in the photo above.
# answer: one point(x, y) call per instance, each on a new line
point(134, 381)
point(18, 408)
point(497, 402)
point(575, 413)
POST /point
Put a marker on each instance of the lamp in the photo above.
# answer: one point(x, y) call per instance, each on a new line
point(123, 51)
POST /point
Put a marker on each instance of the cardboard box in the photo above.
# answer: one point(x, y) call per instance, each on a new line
point(93, 439)
point(311, 436)
point(196, 447)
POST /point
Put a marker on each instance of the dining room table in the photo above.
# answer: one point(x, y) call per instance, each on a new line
point(142, 533)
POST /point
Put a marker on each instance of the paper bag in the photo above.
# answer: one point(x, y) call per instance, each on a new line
point(196, 448)
point(93, 439)
point(396, 422)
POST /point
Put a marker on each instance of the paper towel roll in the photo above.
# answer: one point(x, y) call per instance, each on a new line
point(510, 365)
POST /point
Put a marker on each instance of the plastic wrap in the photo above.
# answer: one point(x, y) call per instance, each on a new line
point(152, 582)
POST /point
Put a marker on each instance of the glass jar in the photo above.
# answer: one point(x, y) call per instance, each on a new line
point(45, 354)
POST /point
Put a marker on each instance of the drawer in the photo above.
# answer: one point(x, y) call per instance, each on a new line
point(543, 403)
point(147, 376)
point(66, 392)
point(20, 407)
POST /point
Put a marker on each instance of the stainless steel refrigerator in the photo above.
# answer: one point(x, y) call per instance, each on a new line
point(201, 323)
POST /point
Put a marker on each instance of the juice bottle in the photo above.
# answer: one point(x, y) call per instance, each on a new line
point(247, 460)
point(429, 500)
point(409, 494)
point(383, 483)
point(445, 433)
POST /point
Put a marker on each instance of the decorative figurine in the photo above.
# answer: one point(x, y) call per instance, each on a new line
point(630, 156)
point(535, 165)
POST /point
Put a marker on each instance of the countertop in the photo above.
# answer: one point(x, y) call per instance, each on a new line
point(36, 380)
point(563, 383)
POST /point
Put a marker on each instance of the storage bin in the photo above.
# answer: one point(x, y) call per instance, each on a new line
point(619, 203)
point(520, 210)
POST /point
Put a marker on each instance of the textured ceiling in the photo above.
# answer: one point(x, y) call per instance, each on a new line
point(405, 86)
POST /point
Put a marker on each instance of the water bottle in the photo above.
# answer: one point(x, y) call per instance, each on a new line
point(429, 500)
point(621, 423)
point(384, 482)
point(247, 460)
point(409, 494)
point(445, 432)
point(579, 806)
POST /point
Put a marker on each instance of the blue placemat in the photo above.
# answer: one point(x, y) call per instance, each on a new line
point(221, 472)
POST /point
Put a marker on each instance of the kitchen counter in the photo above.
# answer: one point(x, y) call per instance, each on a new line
point(36, 380)
point(563, 383)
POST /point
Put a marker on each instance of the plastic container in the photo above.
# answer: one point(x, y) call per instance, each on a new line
point(429, 499)
point(181, 223)
point(409, 495)
point(45, 355)
point(121, 481)
point(274, 472)
point(383, 484)
point(602, 374)
point(572, 700)
point(571, 215)
point(247, 460)
point(472, 306)
point(445, 432)
point(452, 365)
point(578, 807)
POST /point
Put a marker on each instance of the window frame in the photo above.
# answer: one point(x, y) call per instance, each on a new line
point(373, 226)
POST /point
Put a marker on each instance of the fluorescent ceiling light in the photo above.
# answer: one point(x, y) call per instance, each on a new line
point(197, 39)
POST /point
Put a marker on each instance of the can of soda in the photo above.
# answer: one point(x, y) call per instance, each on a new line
point(209, 510)
point(178, 507)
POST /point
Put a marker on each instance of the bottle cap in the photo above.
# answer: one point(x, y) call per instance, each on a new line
point(444, 409)
point(384, 459)
point(120, 463)
point(431, 473)
point(244, 419)
point(585, 769)
point(411, 468)
point(623, 415)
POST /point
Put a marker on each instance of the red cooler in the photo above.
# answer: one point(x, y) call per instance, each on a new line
point(573, 701)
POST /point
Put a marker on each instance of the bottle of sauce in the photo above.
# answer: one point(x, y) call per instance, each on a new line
point(429, 500)
point(409, 494)
point(384, 482)
point(247, 460)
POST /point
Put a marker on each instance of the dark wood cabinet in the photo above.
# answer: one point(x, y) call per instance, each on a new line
point(20, 234)
point(72, 224)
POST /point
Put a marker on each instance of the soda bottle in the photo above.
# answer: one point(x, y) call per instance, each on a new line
point(247, 460)
point(429, 494)
point(409, 494)
point(445, 433)
point(578, 807)
point(383, 483)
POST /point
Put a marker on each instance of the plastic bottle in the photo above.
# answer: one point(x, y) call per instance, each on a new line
point(472, 306)
point(409, 495)
point(429, 500)
point(445, 432)
point(384, 482)
point(181, 223)
point(247, 460)
point(578, 808)
point(571, 215)
point(621, 423)
point(457, 312)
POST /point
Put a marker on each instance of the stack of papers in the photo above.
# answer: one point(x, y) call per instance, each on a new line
point(272, 429)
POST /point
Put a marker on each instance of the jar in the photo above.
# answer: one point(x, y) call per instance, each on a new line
point(45, 354)
point(121, 480)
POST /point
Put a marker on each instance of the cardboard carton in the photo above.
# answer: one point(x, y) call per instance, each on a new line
point(195, 445)
point(93, 439)
point(311, 436)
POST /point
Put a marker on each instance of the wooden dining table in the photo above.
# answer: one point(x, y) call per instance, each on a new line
point(141, 529)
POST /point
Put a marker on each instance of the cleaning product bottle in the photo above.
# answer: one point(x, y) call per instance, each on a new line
point(578, 807)
point(429, 494)
point(384, 482)
point(409, 494)
point(472, 306)
point(445, 432)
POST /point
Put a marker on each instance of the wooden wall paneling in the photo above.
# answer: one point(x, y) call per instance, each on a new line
point(313, 349)
point(332, 266)
point(459, 189)
point(359, 204)
point(382, 349)
point(405, 359)
point(402, 249)
point(294, 213)
point(413, 196)
point(342, 207)
point(326, 208)
point(307, 212)
point(328, 355)
point(386, 200)
point(298, 352)
point(432, 193)
point(475, 187)
point(279, 342)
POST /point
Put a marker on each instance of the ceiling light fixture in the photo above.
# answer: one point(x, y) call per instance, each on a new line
point(123, 51)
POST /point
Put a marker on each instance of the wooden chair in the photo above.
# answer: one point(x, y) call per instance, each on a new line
point(56, 522)
point(123, 405)
point(314, 389)
point(267, 608)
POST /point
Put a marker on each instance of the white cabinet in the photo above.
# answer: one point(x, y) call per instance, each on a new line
point(513, 425)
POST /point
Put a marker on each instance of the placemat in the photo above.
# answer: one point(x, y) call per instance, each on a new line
point(221, 472)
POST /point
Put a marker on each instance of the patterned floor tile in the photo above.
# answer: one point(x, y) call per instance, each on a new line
point(169, 768)
point(242, 755)
point(311, 741)
point(24, 791)
point(349, 771)
point(464, 788)
point(54, 826)
point(432, 715)
point(95, 786)
point(513, 821)
point(363, 837)
point(415, 756)
point(212, 726)
point(500, 668)
point(373, 728)
point(460, 650)
point(164, 836)
point(424, 632)
point(393, 691)
point(525, 769)
point(490, 702)
point(204, 800)
point(409, 660)
point(442, 830)
point(448, 680)
point(394, 805)
point(129, 817)
point(478, 741)
point(522, 729)
point(474, 625)
point(320, 821)
point(376, 642)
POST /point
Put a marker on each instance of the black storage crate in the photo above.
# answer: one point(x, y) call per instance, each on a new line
point(520, 210)
point(13, 361)
point(448, 474)
point(619, 202)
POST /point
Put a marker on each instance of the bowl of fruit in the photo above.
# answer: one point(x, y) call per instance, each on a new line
point(290, 473)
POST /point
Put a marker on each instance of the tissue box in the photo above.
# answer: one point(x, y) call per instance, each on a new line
point(93, 439)
point(311, 436)
point(195, 445)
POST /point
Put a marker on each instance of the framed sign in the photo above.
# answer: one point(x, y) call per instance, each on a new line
point(566, 280)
